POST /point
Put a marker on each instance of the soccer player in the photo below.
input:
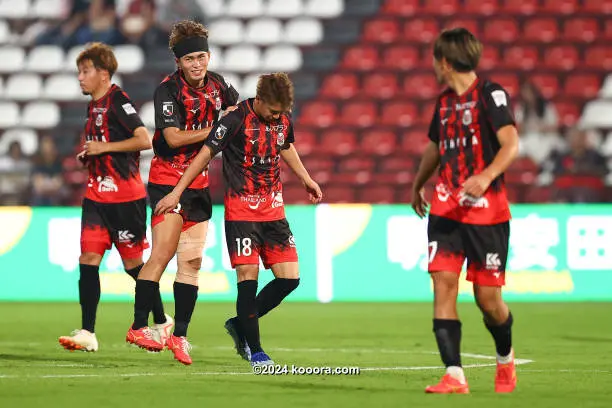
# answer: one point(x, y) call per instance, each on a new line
point(114, 207)
point(473, 140)
point(187, 103)
point(253, 139)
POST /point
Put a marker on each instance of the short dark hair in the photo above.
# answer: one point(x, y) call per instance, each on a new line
point(276, 88)
point(459, 47)
point(186, 29)
point(100, 55)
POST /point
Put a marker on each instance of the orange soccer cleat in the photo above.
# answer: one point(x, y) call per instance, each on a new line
point(143, 338)
point(180, 347)
point(505, 376)
point(448, 385)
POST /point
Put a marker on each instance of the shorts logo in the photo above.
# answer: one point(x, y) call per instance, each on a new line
point(220, 132)
point(177, 209)
point(492, 261)
point(167, 108)
point(125, 236)
point(107, 185)
point(291, 240)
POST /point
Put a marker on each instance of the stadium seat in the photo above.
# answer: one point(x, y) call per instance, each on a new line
point(489, 58)
point(303, 31)
point(526, 7)
point(284, 8)
point(40, 115)
point(521, 57)
point(596, 114)
point(216, 59)
point(423, 86)
point(442, 7)
point(598, 6)
point(582, 85)
point(45, 59)
point(226, 32)
point(305, 141)
point(414, 141)
point(376, 194)
point(5, 32)
point(323, 8)
point(48, 9)
point(287, 58)
point(242, 58)
point(319, 114)
point(397, 163)
point(358, 114)
point(383, 30)
point(548, 84)
point(244, 9)
point(356, 163)
point(352, 178)
point(509, 81)
point(360, 57)
point(12, 9)
point(378, 142)
point(339, 194)
point(62, 87)
point(559, 7)
point(483, 7)
point(319, 162)
point(606, 88)
point(23, 87)
point(27, 138)
point(400, 57)
point(130, 58)
point(147, 114)
point(561, 57)
point(500, 30)
point(263, 31)
point(568, 112)
point(340, 85)
point(12, 59)
point(402, 8)
point(71, 56)
point(598, 57)
point(581, 29)
point(338, 142)
point(472, 25)
point(399, 113)
point(542, 30)
point(421, 30)
point(295, 195)
point(380, 85)
point(249, 86)
point(10, 115)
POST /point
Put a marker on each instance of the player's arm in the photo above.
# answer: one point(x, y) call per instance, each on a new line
point(177, 138)
point(427, 167)
point(509, 141)
point(141, 140)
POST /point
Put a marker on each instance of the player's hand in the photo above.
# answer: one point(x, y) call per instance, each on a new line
point(314, 191)
point(167, 204)
point(476, 186)
point(95, 148)
point(419, 203)
point(82, 158)
point(229, 109)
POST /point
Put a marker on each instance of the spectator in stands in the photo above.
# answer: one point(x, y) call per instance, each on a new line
point(66, 33)
point(103, 24)
point(538, 124)
point(578, 173)
point(14, 159)
point(139, 26)
point(14, 175)
point(47, 181)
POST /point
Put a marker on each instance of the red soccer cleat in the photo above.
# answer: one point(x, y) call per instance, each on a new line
point(448, 385)
point(143, 338)
point(180, 347)
point(505, 376)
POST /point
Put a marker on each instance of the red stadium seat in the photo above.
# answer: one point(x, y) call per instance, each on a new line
point(525, 164)
point(398, 162)
point(548, 84)
point(443, 7)
point(526, 7)
point(319, 162)
point(598, 6)
point(338, 142)
point(352, 178)
point(319, 114)
point(489, 58)
point(400, 179)
point(521, 57)
point(561, 57)
point(538, 194)
point(415, 141)
point(582, 29)
point(376, 194)
point(340, 85)
point(510, 82)
point(381, 31)
point(401, 114)
point(484, 7)
point(424, 86)
point(378, 142)
point(560, 6)
point(583, 85)
point(338, 194)
point(599, 57)
point(305, 141)
point(360, 57)
point(358, 114)
point(380, 85)
point(471, 25)
point(356, 163)
point(568, 112)
point(504, 30)
point(421, 30)
point(541, 30)
point(295, 195)
point(401, 57)
point(401, 7)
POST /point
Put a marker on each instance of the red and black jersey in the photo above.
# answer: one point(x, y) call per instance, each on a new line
point(465, 129)
point(179, 105)
point(113, 177)
point(251, 163)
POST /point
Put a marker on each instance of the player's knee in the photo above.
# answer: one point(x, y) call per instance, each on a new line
point(90, 258)
point(188, 271)
point(161, 256)
point(247, 272)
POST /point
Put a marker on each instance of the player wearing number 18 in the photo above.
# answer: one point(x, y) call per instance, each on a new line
point(473, 139)
point(253, 139)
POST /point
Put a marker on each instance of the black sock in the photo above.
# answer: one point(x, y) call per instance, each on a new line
point(246, 306)
point(89, 295)
point(185, 297)
point(502, 335)
point(448, 337)
point(159, 316)
point(146, 291)
point(273, 294)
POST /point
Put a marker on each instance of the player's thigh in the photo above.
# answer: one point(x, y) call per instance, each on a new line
point(191, 246)
point(95, 236)
point(486, 249)
point(243, 239)
point(166, 234)
point(278, 247)
point(446, 249)
point(127, 223)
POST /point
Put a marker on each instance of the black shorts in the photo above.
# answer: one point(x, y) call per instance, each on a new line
point(484, 246)
point(122, 224)
point(195, 205)
point(247, 241)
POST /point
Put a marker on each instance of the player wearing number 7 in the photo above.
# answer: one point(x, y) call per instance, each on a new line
point(253, 139)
